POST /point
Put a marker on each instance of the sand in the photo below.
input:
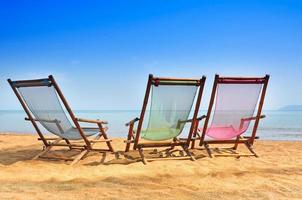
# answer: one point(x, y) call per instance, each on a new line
point(276, 174)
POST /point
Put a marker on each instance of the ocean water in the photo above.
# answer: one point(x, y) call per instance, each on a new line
point(278, 125)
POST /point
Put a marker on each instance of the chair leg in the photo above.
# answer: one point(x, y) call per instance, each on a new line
point(195, 134)
point(141, 153)
point(185, 148)
point(193, 144)
point(129, 137)
point(67, 142)
point(108, 142)
point(236, 143)
point(127, 147)
point(47, 149)
point(103, 133)
point(250, 148)
point(79, 157)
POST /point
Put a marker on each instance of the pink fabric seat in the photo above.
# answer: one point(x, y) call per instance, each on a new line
point(222, 133)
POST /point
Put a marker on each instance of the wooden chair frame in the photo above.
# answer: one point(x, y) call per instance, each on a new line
point(247, 141)
point(134, 138)
point(49, 143)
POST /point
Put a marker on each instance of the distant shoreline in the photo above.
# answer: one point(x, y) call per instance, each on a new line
point(291, 108)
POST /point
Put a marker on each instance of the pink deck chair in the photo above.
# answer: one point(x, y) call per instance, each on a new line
point(236, 99)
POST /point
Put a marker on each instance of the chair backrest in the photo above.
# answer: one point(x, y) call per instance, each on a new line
point(235, 99)
point(171, 104)
point(41, 98)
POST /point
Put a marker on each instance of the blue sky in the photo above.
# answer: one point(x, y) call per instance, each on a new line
point(101, 52)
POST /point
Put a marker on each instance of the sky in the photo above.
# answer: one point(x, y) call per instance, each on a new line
point(101, 52)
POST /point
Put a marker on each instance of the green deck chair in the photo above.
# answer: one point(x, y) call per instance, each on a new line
point(172, 100)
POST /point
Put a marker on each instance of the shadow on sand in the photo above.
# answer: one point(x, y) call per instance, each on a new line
point(10, 156)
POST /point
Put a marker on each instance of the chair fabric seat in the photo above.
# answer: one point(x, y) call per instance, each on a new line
point(170, 105)
point(74, 134)
point(160, 134)
point(222, 133)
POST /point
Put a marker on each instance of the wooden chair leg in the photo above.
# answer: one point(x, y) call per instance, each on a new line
point(195, 135)
point(79, 157)
point(236, 143)
point(141, 153)
point(108, 142)
point(105, 137)
point(129, 137)
point(47, 149)
point(250, 148)
point(127, 147)
point(67, 142)
point(185, 148)
point(193, 144)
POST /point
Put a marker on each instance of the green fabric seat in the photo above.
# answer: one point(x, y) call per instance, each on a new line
point(159, 135)
point(170, 105)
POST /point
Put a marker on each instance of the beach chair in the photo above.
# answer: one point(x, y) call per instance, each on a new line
point(43, 102)
point(172, 100)
point(236, 100)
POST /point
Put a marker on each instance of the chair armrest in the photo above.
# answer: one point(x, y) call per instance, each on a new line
point(91, 121)
point(198, 119)
point(201, 117)
point(253, 118)
point(96, 128)
point(132, 121)
point(44, 120)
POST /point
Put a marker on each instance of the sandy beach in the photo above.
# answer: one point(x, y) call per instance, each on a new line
point(276, 174)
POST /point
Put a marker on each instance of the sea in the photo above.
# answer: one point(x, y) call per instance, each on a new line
point(278, 125)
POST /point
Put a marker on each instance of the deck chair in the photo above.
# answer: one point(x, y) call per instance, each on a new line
point(236, 100)
point(43, 102)
point(171, 102)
